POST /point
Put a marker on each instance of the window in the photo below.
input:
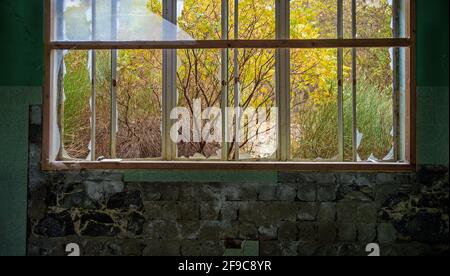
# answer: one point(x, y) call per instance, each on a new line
point(235, 84)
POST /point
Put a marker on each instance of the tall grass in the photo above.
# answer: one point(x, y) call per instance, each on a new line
point(315, 127)
point(77, 92)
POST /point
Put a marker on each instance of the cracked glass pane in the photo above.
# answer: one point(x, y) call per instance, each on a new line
point(257, 131)
point(199, 95)
point(139, 106)
point(374, 103)
point(75, 112)
point(114, 20)
point(314, 106)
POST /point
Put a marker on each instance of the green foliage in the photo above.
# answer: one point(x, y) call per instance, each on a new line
point(77, 90)
point(315, 136)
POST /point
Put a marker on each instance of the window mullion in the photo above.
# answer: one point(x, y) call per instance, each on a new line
point(60, 79)
point(224, 76)
point(114, 118)
point(354, 88)
point(169, 84)
point(237, 87)
point(283, 79)
point(93, 83)
point(340, 71)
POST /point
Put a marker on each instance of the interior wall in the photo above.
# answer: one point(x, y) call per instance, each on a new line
point(21, 52)
point(21, 67)
point(432, 81)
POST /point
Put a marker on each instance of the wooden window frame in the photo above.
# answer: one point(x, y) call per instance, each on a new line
point(409, 43)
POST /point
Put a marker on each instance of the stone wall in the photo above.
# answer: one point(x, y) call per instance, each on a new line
point(300, 214)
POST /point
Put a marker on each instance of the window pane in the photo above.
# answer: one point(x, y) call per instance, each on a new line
point(139, 90)
point(256, 19)
point(375, 104)
point(348, 105)
point(103, 112)
point(313, 19)
point(374, 18)
point(124, 20)
point(75, 112)
point(200, 19)
point(258, 125)
point(380, 86)
point(314, 107)
point(199, 98)
point(114, 20)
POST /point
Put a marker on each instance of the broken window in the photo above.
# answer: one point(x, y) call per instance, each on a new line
point(228, 80)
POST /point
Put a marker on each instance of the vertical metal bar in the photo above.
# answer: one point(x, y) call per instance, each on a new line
point(278, 32)
point(237, 96)
point(283, 79)
point(165, 103)
point(396, 80)
point(94, 83)
point(114, 119)
point(173, 96)
point(169, 84)
point(224, 76)
point(340, 55)
point(354, 88)
point(287, 81)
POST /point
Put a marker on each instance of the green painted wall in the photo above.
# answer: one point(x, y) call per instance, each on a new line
point(14, 106)
point(21, 55)
point(21, 47)
point(432, 44)
point(432, 81)
point(21, 75)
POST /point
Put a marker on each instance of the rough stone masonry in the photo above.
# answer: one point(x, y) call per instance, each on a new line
point(313, 213)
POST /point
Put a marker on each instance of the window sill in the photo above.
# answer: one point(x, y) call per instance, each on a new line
point(229, 165)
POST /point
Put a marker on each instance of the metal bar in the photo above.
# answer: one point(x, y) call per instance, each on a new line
point(283, 80)
point(396, 80)
point(224, 76)
point(278, 32)
point(237, 95)
point(340, 55)
point(165, 102)
point(354, 88)
point(172, 73)
point(235, 43)
point(94, 84)
point(169, 85)
point(114, 119)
